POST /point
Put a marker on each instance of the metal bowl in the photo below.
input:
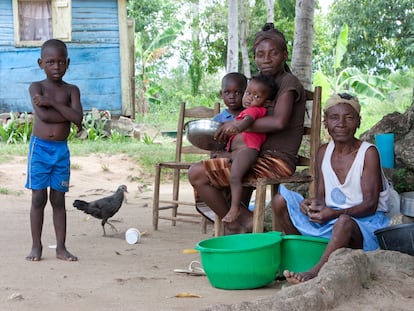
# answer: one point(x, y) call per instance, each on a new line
point(407, 203)
point(397, 238)
point(200, 133)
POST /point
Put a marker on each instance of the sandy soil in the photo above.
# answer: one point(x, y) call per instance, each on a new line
point(111, 274)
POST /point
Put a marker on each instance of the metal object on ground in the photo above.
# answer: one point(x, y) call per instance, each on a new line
point(407, 203)
point(397, 238)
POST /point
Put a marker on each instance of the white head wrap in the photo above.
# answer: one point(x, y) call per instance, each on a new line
point(335, 99)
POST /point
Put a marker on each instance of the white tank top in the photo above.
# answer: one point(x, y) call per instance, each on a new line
point(349, 193)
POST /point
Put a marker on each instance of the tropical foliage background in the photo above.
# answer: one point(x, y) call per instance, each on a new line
point(365, 47)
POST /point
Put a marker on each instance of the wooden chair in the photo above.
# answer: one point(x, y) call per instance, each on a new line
point(177, 166)
point(311, 130)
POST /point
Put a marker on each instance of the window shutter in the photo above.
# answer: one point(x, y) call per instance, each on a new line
point(62, 19)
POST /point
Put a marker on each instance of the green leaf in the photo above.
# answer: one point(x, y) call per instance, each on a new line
point(341, 46)
point(320, 79)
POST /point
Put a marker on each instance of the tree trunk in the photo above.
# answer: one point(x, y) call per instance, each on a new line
point(142, 106)
point(244, 29)
point(303, 41)
point(270, 11)
point(195, 71)
point(233, 38)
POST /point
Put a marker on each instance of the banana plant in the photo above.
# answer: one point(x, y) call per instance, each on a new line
point(146, 61)
point(351, 79)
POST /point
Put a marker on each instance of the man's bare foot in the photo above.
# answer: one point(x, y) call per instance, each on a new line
point(231, 215)
point(296, 278)
point(65, 255)
point(35, 254)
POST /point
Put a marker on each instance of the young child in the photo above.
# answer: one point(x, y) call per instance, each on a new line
point(232, 89)
point(243, 145)
point(233, 86)
point(55, 105)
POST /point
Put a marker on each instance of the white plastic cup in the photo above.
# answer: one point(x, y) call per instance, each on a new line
point(132, 235)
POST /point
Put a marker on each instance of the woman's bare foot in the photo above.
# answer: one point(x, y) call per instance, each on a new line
point(246, 220)
point(64, 254)
point(234, 228)
point(243, 223)
point(296, 278)
point(35, 254)
point(231, 215)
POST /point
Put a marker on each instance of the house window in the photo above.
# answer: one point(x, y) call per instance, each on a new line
point(36, 21)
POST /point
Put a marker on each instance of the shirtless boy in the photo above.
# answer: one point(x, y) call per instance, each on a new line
point(56, 104)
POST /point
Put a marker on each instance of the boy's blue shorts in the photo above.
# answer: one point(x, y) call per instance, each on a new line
point(48, 165)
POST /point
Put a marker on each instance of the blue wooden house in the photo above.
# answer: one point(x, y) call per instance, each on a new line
point(100, 41)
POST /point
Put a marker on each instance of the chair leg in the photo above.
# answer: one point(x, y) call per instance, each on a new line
point(275, 223)
point(203, 219)
point(218, 227)
point(156, 198)
point(176, 189)
point(259, 207)
point(203, 225)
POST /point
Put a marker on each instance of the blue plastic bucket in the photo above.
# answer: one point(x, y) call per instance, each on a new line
point(385, 145)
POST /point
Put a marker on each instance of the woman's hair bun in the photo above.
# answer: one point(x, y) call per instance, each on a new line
point(268, 26)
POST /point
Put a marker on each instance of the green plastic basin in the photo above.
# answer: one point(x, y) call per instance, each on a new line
point(241, 261)
point(300, 253)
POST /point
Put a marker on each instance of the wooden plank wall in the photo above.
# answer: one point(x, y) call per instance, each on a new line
point(94, 53)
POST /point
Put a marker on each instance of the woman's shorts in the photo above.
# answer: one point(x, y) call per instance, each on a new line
point(218, 170)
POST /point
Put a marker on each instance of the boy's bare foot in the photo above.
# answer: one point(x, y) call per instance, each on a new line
point(35, 254)
point(65, 255)
point(231, 216)
point(296, 278)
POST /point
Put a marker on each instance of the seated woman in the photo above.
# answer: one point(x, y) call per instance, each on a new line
point(283, 126)
point(352, 191)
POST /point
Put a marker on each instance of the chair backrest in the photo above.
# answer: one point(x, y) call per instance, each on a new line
point(187, 114)
point(313, 131)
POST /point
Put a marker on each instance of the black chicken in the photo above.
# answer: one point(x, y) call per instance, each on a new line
point(103, 208)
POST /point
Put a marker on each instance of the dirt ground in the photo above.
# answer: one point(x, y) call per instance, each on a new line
point(113, 275)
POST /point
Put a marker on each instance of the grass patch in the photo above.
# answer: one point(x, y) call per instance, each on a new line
point(9, 192)
point(4, 190)
point(145, 155)
point(75, 166)
point(105, 167)
point(8, 151)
